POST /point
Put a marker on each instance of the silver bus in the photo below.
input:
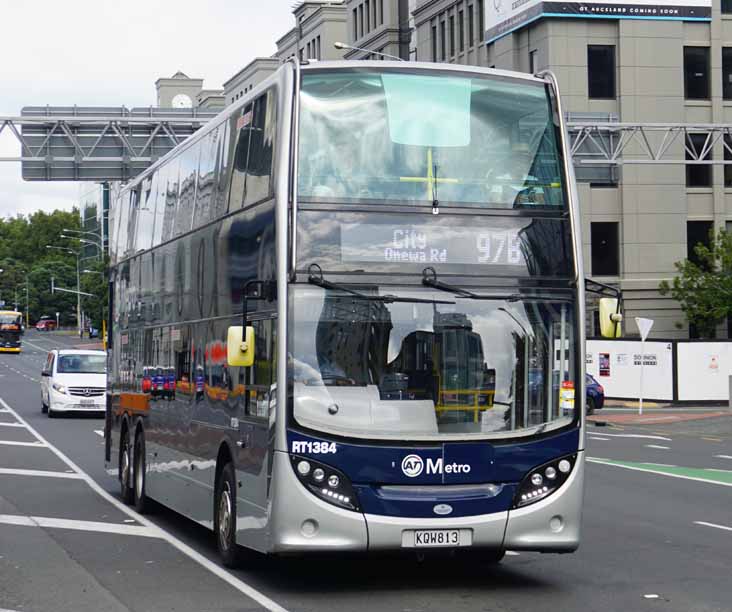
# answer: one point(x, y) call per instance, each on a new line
point(348, 315)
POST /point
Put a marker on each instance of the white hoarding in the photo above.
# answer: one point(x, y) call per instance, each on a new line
point(504, 16)
point(616, 366)
point(703, 370)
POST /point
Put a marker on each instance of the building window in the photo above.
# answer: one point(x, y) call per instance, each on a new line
point(481, 23)
point(532, 61)
point(452, 35)
point(471, 26)
point(368, 15)
point(360, 21)
point(601, 71)
point(727, 72)
point(434, 43)
point(697, 232)
point(727, 157)
point(355, 24)
point(605, 249)
point(381, 12)
point(461, 31)
point(696, 73)
point(726, 7)
point(698, 175)
point(443, 50)
point(374, 15)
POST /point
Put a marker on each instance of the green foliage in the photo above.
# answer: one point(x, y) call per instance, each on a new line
point(704, 290)
point(23, 255)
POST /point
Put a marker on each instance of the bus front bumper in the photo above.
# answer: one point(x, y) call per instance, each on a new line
point(301, 522)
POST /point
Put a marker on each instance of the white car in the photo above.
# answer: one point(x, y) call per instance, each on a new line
point(74, 380)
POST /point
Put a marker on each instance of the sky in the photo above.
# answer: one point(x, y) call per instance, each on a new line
point(110, 53)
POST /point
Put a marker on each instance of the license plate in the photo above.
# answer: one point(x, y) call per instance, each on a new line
point(86, 402)
point(435, 538)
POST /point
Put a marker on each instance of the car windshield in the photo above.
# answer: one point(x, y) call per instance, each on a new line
point(425, 137)
point(436, 367)
point(82, 364)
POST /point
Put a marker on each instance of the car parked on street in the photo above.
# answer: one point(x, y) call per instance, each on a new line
point(74, 380)
point(594, 391)
point(46, 324)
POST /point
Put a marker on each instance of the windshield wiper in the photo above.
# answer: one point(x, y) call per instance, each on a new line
point(318, 280)
point(429, 279)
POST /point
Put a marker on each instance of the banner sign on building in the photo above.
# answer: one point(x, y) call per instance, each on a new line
point(504, 16)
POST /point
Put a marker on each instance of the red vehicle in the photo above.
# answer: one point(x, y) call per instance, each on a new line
point(46, 324)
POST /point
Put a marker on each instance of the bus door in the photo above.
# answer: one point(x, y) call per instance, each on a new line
point(256, 430)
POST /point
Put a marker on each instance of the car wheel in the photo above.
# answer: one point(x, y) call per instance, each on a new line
point(44, 407)
point(142, 502)
point(225, 518)
point(125, 468)
point(590, 405)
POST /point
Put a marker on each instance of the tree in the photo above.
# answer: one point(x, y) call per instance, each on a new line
point(704, 288)
point(23, 256)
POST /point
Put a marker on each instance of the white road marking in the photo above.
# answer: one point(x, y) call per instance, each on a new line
point(56, 523)
point(640, 469)
point(99, 432)
point(723, 456)
point(41, 473)
point(12, 425)
point(14, 443)
point(705, 524)
point(597, 438)
point(657, 446)
point(644, 436)
point(651, 596)
point(512, 553)
point(212, 567)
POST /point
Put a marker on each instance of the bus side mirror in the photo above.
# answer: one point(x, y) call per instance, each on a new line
point(240, 346)
point(610, 319)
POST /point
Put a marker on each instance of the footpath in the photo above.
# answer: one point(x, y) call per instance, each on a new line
point(654, 413)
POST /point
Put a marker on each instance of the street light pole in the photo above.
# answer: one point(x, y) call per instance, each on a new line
point(78, 283)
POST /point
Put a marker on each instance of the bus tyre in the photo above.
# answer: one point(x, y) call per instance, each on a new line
point(125, 467)
point(225, 517)
point(141, 500)
point(590, 406)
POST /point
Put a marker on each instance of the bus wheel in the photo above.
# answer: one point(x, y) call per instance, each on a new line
point(225, 517)
point(141, 500)
point(125, 467)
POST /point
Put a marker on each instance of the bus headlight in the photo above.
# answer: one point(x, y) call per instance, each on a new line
point(543, 480)
point(338, 490)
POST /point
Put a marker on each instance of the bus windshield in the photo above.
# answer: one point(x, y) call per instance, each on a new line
point(10, 321)
point(428, 137)
point(428, 366)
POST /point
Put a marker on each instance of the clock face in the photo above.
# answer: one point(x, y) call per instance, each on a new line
point(182, 101)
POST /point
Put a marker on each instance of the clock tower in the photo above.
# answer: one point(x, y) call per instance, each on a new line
point(178, 91)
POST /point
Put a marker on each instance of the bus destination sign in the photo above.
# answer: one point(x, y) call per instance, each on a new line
point(427, 244)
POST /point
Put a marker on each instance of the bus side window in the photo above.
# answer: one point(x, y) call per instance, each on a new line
point(261, 149)
point(243, 129)
point(262, 374)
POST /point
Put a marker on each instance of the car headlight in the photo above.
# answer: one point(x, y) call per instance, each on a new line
point(326, 482)
point(59, 388)
point(542, 481)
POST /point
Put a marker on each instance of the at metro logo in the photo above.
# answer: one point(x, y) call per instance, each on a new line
point(414, 465)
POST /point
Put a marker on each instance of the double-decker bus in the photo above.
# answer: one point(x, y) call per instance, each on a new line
point(365, 281)
point(11, 330)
